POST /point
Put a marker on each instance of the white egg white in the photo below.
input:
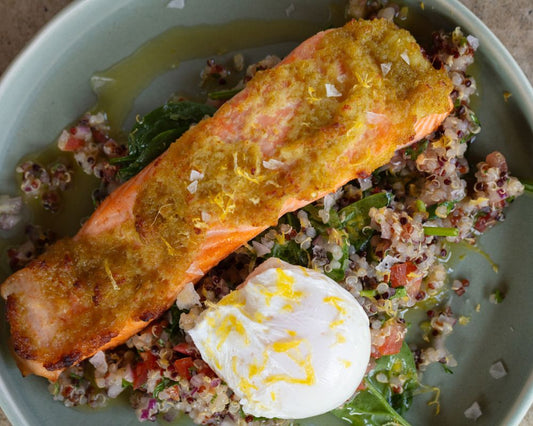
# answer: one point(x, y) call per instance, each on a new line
point(290, 342)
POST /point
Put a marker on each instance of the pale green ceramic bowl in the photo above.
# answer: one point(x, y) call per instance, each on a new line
point(48, 86)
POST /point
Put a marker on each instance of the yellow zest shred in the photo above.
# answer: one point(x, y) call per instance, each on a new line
point(443, 142)
point(225, 201)
point(239, 171)
point(171, 251)
point(435, 401)
point(230, 324)
point(312, 92)
point(464, 320)
point(364, 80)
point(280, 238)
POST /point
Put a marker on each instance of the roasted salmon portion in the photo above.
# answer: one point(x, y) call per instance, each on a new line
point(335, 109)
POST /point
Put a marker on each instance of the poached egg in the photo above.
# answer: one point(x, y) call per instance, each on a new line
point(290, 342)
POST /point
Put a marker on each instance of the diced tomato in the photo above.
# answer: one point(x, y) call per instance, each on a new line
point(394, 332)
point(73, 144)
point(141, 369)
point(183, 367)
point(406, 275)
point(208, 372)
point(186, 349)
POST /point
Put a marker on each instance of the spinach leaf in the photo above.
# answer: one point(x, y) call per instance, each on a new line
point(315, 219)
point(416, 149)
point(400, 364)
point(450, 205)
point(369, 408)
point(154, 133)
point(356, 221)
point(378, 403)
point(291, 252)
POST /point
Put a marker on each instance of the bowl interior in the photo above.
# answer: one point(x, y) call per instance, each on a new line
point(48, 87)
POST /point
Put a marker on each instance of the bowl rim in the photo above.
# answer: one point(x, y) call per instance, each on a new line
point(454, 9)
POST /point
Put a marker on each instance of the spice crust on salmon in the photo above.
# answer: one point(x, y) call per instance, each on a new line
point(335, 109)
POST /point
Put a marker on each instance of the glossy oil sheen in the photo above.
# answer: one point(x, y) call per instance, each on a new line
point(119, 86)
point(48, 87)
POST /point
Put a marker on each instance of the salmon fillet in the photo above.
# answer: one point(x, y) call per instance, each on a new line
point(335, 109)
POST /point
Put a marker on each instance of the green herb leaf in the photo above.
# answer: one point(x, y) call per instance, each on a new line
point(498, 296)
point(378, 404)
point(400, 292)
point(415, 150)
point(528, 185)
point(162, 385)
point(432, 209)
point(420, 206)
point(154, 133)
point(447, 369)
point(176, 333)
point(356, 221)
point(223, 95)
point(368, 293)
point(439, 231)
point(56, 388)
point(75, 376)
point(126, 384)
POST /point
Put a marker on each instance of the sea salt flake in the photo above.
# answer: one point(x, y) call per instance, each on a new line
point(196, 175)
point(473, 412)
point(405, 58)
point(193, 186)
point(272, 164)
point(498, 370)
point(187, 297)
point(331, 91)
point(194, 270)
point(176, 4)
point(385, 68)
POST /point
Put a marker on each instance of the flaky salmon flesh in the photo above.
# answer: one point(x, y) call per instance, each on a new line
point(335, 109)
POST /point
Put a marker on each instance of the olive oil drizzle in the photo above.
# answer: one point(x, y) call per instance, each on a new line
point(118, 87)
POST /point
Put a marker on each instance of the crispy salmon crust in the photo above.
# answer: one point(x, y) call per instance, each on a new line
point(329, 113)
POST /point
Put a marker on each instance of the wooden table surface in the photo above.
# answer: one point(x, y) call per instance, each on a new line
point(510, 20)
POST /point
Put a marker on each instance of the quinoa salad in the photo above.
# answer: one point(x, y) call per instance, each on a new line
point(385, 239)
